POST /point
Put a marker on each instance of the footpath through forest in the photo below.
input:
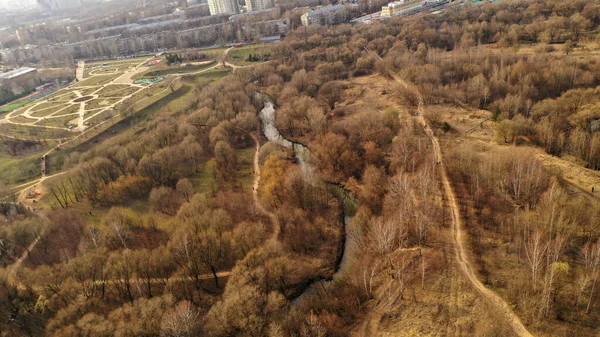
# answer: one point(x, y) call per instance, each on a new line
point(257, 203)
point(457, 231)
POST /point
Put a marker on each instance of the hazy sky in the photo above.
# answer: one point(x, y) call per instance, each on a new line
point(16, 3)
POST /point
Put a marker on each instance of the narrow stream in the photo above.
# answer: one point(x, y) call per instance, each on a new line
point(302, 153)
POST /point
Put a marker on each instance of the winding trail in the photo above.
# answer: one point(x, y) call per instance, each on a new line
point(457, 231)
point(257, 203)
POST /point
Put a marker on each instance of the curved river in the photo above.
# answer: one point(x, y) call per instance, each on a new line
point(302, 153)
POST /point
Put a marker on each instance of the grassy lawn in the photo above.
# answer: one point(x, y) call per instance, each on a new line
point(16, 170)
point(59, 122)
point(213, 52)
point(203, 180)
point(246, 167)
point(120, 93)
point(101, 117)
point(46, 112)
point(46, 105)
point(22, 120)
point(12, 106)
point(208, 76)
point(112, 89)
point(185, 69)
point(96, 80)
point(23, 167)
point(63, 96)
point(67, 109)
point(31, 132)
point(238, 56)
point(87, 92)
point(100, 103)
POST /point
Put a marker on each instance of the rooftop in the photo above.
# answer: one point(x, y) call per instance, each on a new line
point(325, 9)
point(16, 73)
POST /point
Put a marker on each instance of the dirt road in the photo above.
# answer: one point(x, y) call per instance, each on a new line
point(457, 231)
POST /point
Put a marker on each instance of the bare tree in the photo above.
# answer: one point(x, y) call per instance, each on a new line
point(383, 235)
point(312, 327)
point(535, 248)
point(555, 249)
point(181, 321)
point(592, 262)
point(369, 273)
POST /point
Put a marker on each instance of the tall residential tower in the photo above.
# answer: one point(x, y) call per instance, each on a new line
point(223, 7)
point(258, 5)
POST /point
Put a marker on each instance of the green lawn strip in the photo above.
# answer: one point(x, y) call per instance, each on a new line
point(121, 93)
point(239, 56)
point(176, 70)
point(17, 170)
point(59, 122)
point(208, 76)
point(15, 105)
point(96, 80)
point(66, 109)
point(32, 132)
point(22, 120)
point(46, 105)
point(88, 91)
point(47, 111)
point(100, 103)
point(100, 117)
point(65, 96)
point(112, 88)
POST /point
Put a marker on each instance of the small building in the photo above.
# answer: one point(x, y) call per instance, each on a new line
point(270, 39)
point(19, 80)
point(393, 8)
point(328, 15)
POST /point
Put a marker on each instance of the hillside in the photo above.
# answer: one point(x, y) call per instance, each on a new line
point(432, 175)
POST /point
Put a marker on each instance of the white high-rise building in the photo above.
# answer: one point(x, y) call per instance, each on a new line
point(59, 4)
point(258, 5)
point(223, 7)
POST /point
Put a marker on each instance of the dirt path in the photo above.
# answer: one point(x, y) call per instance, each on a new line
point(138, 280)
point(457, 231)
point(257, 203)
point(80, 71)
point(127, 77)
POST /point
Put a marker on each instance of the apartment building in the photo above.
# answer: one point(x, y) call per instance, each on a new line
point(393, 8)
point(258, 5)
point(328, 15)
point(217, 7)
